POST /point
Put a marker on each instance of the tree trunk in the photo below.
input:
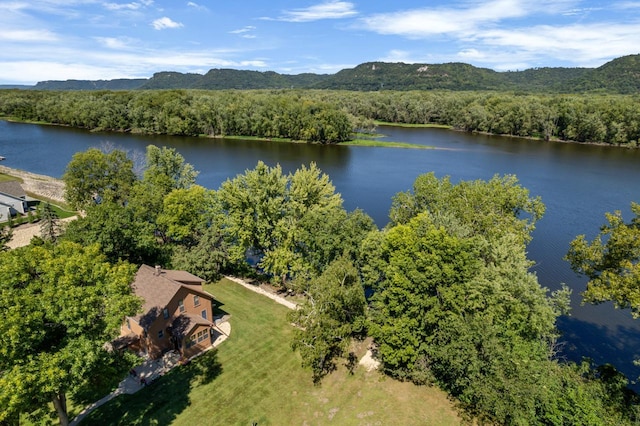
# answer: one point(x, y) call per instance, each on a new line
point(60, 402)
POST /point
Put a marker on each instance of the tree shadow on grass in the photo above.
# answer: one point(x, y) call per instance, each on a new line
point(163, 399)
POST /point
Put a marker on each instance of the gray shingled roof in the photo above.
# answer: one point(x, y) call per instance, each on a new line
point(13, 188)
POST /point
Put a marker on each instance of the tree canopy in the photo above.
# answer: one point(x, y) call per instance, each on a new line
point(93, 176)
point(455, 304)
point(611, 262)
point(60, 304)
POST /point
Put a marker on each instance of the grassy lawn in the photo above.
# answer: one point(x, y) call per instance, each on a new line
point(255, 377)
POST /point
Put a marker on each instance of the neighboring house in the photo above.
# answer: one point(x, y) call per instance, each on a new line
point(13, 200)
point(177, 314)
point(5, 212)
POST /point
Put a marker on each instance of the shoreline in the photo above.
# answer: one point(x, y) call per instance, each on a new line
point(352, 142)
point(40, 185)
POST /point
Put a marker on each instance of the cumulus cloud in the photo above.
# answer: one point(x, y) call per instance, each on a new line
point(165, 23)
point(326, 10)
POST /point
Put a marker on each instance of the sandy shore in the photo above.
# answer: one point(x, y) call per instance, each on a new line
point(41, 185)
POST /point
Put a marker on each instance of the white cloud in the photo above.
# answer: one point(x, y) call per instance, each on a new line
point(427, 22)
point(245, 32)
point(580, 43)
point(28, 36)
point(116, 42)
point(326, 10)
point(196, 6)
point(165, 23)
point(128, 6)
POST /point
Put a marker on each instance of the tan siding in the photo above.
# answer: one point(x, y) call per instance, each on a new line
point(199, 346)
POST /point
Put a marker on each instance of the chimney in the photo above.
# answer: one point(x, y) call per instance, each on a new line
point(158, 270)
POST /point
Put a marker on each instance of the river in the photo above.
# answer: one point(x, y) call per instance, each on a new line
point(577, 183)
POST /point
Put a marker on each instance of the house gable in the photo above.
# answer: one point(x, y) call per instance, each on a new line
point(171, 310)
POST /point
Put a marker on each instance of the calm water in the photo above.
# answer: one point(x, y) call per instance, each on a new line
point(577, 183)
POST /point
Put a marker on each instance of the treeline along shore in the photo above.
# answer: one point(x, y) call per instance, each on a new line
point(323, 116)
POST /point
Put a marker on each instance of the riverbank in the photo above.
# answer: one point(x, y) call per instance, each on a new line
point(38, 185)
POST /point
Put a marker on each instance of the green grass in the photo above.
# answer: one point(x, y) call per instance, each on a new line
point(254, 376)
point(385, 144)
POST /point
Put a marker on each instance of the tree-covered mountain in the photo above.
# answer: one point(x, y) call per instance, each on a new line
point(116, 84)
point(621, 75)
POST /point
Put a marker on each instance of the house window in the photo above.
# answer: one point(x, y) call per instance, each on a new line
point(190, 341)
point(160, 334)
point(204, 313)
point(128, 324)
point(196, 300)
point(202, 335)
point(165, 313)
point(181, 305)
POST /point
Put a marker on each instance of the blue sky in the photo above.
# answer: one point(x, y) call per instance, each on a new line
point(94, 39)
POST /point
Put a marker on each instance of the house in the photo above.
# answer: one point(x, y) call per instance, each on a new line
point(177, 314)
point(13, 200)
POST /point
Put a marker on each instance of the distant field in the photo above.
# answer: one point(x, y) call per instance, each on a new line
point(255, 377)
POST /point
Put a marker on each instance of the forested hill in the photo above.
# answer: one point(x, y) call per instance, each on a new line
point(622, 75)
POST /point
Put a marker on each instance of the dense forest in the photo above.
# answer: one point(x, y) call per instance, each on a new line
point(331, 116)
point(451, 301)
point(617, 76)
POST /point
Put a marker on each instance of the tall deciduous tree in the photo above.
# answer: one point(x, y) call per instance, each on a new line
point(611, 262)
point(455, 304)
point(93, 176)
point(166, 166)
point(284, 219)
point(60, 305)
point(183, 210)
point(332, 313)
point(487, 208)
point(119, 234)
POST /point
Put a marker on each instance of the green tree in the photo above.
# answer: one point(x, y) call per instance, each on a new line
point(183, 210)
point(50, 228)
point(332, 313)
point(294, 223)
point(611, 262)
point(165, 171)
point(118, 233)
point(207, 257)
point(6, 233)
point(167, 167)
point(94, 176)
point(60, 305)
point(250, 206)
